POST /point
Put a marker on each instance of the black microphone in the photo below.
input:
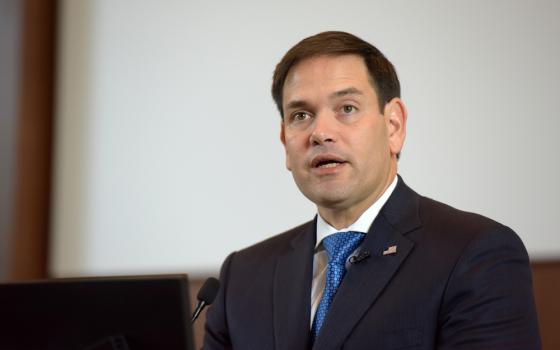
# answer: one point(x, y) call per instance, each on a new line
point(206, 296)
point(363, 255)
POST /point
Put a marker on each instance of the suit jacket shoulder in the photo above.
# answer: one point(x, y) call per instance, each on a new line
point(450, 280)
point(265, 291)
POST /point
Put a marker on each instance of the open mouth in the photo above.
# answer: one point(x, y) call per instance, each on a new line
point(326, 161)
point(328, 164)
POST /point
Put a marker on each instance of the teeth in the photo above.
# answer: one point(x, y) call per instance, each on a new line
point(328, 165)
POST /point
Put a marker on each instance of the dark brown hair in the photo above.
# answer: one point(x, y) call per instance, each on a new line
point(382, 73)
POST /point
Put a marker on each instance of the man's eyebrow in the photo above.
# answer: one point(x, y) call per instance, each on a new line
point(346, 92)
point(297, 104)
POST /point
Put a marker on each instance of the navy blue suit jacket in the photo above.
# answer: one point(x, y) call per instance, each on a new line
point(457, 281)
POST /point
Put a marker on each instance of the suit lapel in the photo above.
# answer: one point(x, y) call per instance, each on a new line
point(292, 292)
point(364, 282)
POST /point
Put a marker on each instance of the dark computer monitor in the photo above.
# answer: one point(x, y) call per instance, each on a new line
point(102, 313)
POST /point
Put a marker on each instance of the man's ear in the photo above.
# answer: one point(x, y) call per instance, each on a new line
point(283, 140)
point(282, 133)
point(396, 116)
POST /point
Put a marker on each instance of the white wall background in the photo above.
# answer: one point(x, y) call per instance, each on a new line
point(167, 154)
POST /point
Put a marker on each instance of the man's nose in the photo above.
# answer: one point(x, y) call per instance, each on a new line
point(324, 129)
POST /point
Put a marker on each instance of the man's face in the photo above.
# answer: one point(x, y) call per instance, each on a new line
point(340, 148)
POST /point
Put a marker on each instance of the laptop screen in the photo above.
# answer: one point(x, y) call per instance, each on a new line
point(124, 313)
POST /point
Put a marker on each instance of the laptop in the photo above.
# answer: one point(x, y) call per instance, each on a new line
point(101, 313)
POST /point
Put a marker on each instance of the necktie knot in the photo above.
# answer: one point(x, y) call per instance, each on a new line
point(341, 244)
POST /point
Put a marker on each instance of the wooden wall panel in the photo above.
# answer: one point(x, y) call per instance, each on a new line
point(26, 174)
point(546, 280)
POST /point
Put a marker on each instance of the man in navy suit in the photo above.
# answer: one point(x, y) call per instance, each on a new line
point(419, 275)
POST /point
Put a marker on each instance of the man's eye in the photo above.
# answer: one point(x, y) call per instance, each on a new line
point(348, 109)
point(300, 116)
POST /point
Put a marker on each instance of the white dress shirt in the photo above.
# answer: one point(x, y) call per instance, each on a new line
point(320, 259)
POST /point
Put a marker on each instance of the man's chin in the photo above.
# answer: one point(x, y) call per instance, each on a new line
point(329, 200)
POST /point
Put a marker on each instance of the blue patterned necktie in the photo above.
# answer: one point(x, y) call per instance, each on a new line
point(338, 246)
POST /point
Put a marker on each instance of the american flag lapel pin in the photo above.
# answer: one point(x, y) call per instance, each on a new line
point(391, 250)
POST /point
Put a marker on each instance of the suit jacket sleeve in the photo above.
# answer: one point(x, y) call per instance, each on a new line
point(488, 302)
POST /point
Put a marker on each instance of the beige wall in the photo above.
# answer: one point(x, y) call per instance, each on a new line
point(167, 154)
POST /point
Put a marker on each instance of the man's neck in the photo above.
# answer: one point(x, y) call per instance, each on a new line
point(340, 218)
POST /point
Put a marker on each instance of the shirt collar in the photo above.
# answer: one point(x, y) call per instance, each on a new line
point(364, 221)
